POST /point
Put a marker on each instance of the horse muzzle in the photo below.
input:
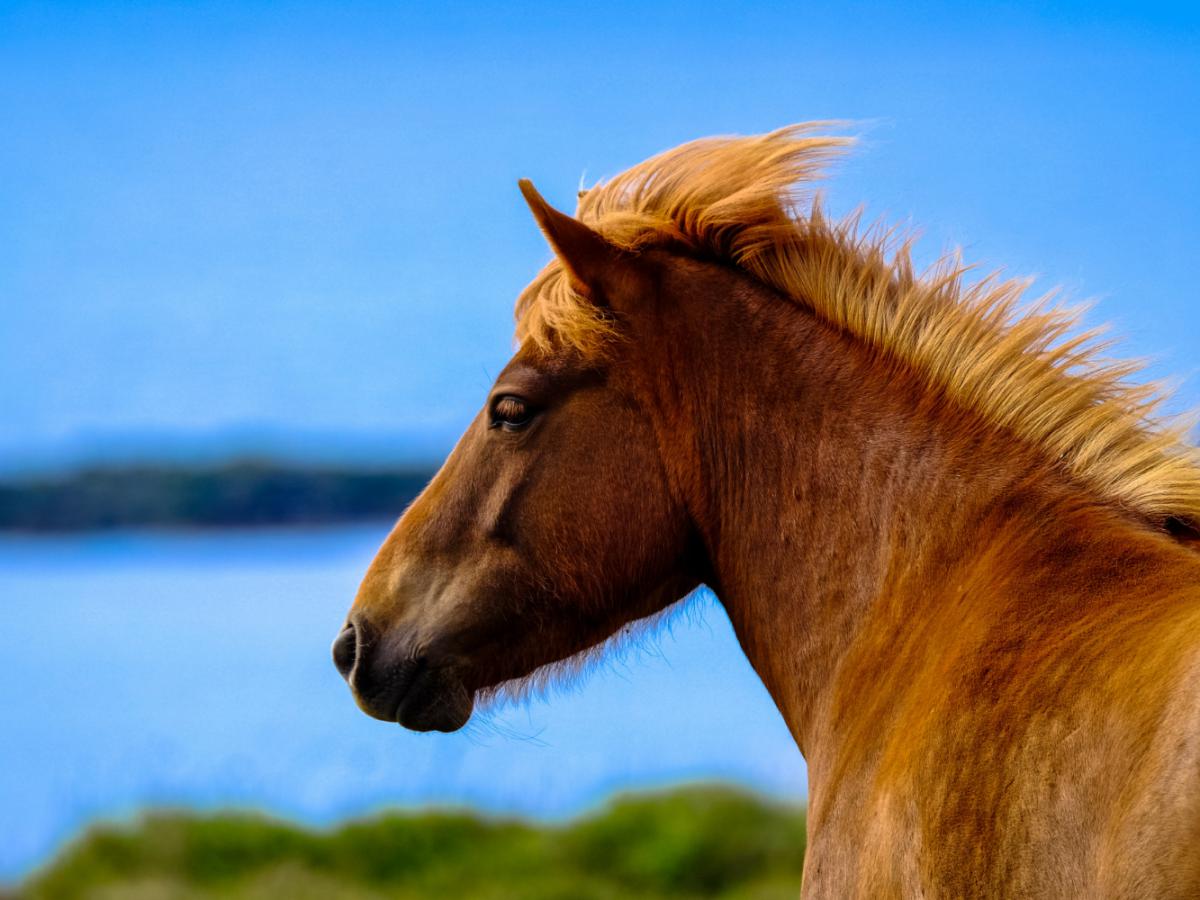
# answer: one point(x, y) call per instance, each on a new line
point(393, 683)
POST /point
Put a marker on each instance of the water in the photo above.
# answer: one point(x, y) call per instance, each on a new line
point(193, 670)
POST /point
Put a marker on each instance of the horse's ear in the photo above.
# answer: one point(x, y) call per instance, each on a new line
point(598, 269)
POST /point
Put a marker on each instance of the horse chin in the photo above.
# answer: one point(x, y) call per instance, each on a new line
point(437, 701)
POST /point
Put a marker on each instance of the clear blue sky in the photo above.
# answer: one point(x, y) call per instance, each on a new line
point(220, 221)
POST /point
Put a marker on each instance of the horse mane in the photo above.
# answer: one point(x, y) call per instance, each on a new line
point(1026, 367)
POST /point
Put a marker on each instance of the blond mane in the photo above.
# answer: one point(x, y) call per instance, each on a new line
point(1025, 367)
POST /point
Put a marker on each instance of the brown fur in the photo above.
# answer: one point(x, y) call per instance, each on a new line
point(941, 543)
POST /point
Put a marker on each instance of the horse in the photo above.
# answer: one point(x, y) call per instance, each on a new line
point(956, 539)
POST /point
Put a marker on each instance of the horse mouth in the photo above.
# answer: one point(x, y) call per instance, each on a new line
point(424, 697)
point(437, 700)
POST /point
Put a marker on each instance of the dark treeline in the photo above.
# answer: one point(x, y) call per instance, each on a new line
point(237, 494)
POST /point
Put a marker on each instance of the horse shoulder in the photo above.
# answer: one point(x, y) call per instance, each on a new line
point(1152, 845)
point(1051, 757)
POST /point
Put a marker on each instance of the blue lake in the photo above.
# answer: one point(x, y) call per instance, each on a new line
point(193, 669)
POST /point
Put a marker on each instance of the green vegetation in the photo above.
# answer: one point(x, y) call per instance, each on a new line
point(698, 842)
point(248, 493)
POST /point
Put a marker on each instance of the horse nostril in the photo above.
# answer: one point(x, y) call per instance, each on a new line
point(345, 651)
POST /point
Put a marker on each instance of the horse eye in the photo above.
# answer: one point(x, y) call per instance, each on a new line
point(511, 412)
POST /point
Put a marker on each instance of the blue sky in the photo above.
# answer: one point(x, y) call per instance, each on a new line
point(222, 224)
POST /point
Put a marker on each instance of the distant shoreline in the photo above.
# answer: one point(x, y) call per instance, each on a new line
point(238, 494)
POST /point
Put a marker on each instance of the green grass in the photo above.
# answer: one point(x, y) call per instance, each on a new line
point(697, 842)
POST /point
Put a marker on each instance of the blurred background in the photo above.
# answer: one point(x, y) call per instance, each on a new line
point(257, 264)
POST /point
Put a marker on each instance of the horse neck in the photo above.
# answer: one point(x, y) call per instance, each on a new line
point(825, 484)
